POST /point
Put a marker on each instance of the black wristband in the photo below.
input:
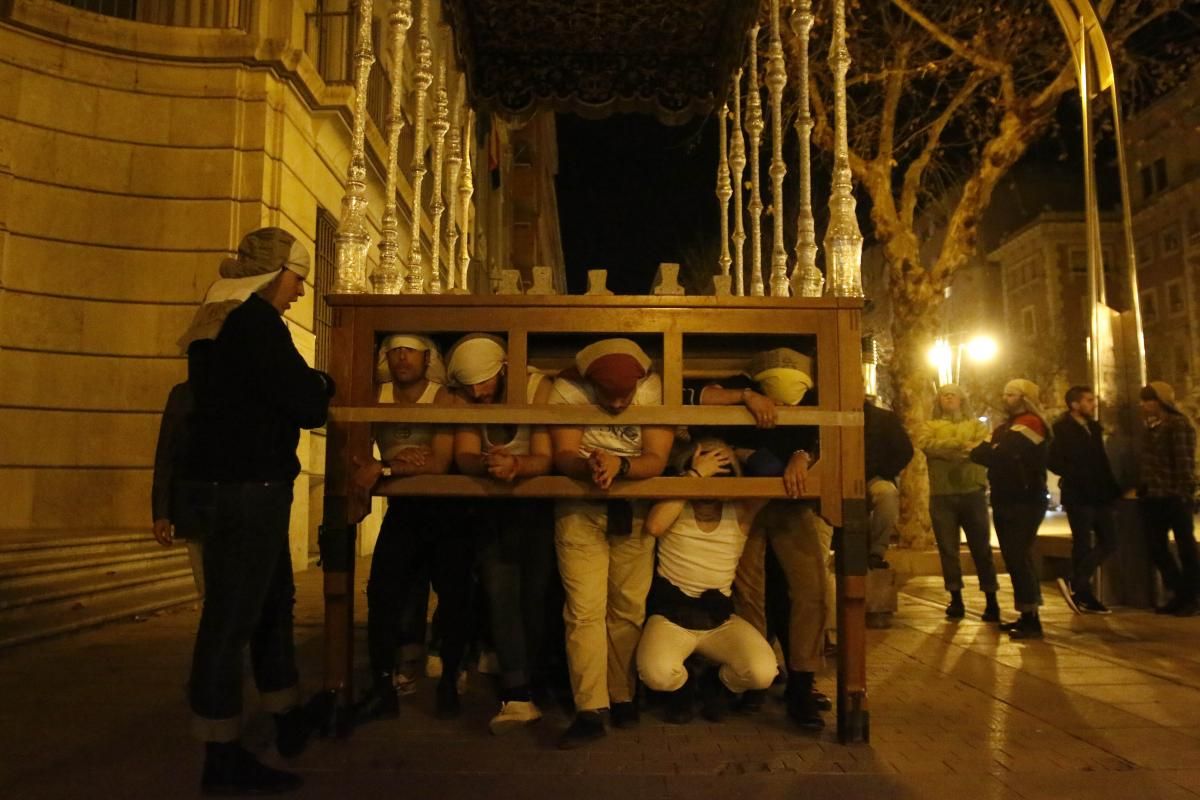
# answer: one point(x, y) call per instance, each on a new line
point(624, 468)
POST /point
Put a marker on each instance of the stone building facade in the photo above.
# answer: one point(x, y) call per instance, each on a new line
point(134, 153)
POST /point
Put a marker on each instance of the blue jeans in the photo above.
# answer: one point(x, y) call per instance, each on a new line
point(516, 551)
point(1086, 557)
point(249, 594)
point(969, 511)
point(1017, 528)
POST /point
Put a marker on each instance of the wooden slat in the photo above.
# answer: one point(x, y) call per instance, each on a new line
point(557, 486)
point(586, 415)
point(673, 369)
point(515, 395)
point(605, 303)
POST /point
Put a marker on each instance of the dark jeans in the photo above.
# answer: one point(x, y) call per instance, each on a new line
point(419, 537)
point(1017, 527)
point(516, 550)
point(1160, 515)
point(1086, 557)
point(950, 512)
point(248, 600)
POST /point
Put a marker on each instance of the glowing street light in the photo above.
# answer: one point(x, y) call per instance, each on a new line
point(982, 349)
point(941, 358)
point(947, 358)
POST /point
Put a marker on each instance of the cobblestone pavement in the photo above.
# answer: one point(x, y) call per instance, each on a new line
point(1104, 707)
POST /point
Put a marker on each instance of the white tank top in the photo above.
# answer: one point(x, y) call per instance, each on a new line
point(695, 560)
point(621, 440)
point(395, 436)
point(518, 445)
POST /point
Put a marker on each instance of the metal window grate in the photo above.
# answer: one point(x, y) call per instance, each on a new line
point(326, 259)
point(121, 9)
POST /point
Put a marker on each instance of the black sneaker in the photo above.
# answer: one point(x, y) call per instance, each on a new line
point(1009, 627)
point(1175, 605)
point(587, 727)
point(991, 612)
point(1188, 608)
point(230, 770)
point(1064, 586)
point(805, 714)
point(955, 610)
point(624, 715)
point(381, 702)
point(1090, 605)
point(822, 701)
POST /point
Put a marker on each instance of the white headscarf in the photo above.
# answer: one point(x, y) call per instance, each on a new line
point(435, 371)
point(475, 358)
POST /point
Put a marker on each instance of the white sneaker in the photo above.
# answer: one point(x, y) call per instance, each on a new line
point(433, 666)
point(489, 663)
point(514, 714)
point(405, 683)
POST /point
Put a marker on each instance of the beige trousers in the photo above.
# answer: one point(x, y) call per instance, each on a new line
point(606, 581)
point(747, 661)
point(801, 541)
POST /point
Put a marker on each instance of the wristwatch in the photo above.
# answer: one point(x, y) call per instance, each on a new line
point(386, 471)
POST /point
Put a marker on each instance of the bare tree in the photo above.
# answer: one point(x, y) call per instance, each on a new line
point(944, 97)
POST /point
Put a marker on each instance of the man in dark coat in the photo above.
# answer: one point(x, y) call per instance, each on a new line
point(1078, 457)
point(888, 451)
point(1015, 458)
point(253, 394)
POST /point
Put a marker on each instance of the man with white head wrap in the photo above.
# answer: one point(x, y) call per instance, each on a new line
point(419, 538)
point(957, 498)
point(514, 537)
point(253, 392)
point(605, 558)
point(1015, 458)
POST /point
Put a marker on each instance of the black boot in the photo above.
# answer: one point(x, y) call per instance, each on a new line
point(991, 611)
point(229, 769)
point(1029, 626)
point(715, 697)
point(381, 702)
point(587, 727)
point(801, 705)
point(956, 610)
point(292, 729)
point(681, 703)
point(752, 701)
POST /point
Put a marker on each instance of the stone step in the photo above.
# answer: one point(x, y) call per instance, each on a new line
point(62, 617)
point(82, 584)
point(24, 546)
point(46, 567)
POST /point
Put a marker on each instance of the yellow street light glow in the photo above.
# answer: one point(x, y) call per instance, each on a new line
point(939, 355)
point(982, 349)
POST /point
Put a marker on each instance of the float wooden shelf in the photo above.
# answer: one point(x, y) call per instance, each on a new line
point(687, 337)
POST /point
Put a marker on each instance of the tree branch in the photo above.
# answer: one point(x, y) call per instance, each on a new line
point(891, 103)
point(980, 60)
point(910, 189)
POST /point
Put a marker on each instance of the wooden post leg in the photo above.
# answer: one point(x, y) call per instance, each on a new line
point(853, 717)
point(343, 509)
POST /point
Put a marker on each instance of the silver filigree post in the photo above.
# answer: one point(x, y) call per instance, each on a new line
point(737, 165)
point(724, 189)
point(843, 240)
point(352, 240)
point(755, 125)
point(421, 82)
point(807, 280)
point(441, 124)
point(776, 80)
point(387, 279)
point(466, 188)
point(453, 169)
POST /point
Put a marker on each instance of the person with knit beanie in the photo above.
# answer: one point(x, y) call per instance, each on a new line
point(1015, 458)
point(1167, 494)
point(253, 392)
point(957, 498)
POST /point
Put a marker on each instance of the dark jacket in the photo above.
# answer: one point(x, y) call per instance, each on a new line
point(888, 447)
point(170, 455)
point(254, 393)
point(1078, 457)
point(1015, 458)
point(1168, 462)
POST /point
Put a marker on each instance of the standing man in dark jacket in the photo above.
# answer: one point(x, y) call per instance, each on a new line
point(1166, 495)
point(1078, 457)
point(253, 394)
point(1016, 463)
point(888, 451)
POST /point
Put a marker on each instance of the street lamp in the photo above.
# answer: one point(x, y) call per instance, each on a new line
point(947, 358)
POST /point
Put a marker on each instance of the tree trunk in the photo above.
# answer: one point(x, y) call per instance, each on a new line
point(914, 327)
